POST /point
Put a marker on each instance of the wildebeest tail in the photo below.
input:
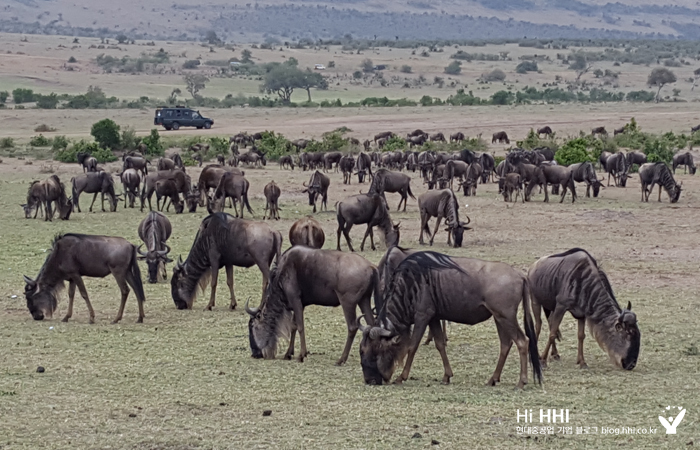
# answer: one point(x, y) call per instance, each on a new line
point(530, 333)
point(278, 245)
point(409, 191)
point(245, 201)
point(73, 192)
point(135, 275)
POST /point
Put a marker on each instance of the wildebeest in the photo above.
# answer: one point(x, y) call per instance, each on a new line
point(620, 130)
point(471, 179)
point(135, 162)
point(167, 190)
point(383, 135)
point(441, 204)
point(529, 173)
point(41, 194)
point(382, 142)
point(573, 282)
point(364, 166)
point(392, 182)
point(603, 159)
point(94, 183)
point(508, 185)
point(154, 231)
point(455, 169)
point(636, 157)
point(417, 132)
point(417, 140)
point(181, 179)
point(286, 161)
point(651, 174)
point(272, 194)
point(131, 182)
point(331, 158)
point(366, 144)
point(428, 287)
point(500, 137)
point(210, 179)
point(457, 137)
point(685, 160)
point(557, 176)
point(220, 159)
point(223, 241)
point(599, 131)
point(437, 178)
point(235, 187)
point(87, 162)
point(616, 166)
point(300, 144)
point(305, 276)
point(370, 209)
point(165, 164)
point(585, 173)
point(74, 256)
point(488, 164)
point(347, 164)
point(437, 137)
point(307, 231)
point(252, 158)
point(694, 129)
point(318, 186)
point(546, 130)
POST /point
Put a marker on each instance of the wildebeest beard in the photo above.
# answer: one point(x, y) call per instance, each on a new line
point(273, 320)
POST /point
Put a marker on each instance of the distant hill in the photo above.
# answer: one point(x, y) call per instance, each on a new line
point(325, 19)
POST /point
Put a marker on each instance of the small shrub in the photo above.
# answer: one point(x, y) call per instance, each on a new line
point(573, 151)
point(69, 155)
point(128, 138)
point(454, 68)
point(406, 69)
point(273, 145)
point(494, 75)
point(3, 96)
point(106, 133)
point(40, 141)
point(526, 66)
point(154, 146)
point(20, 95)
point(72, 60)
point(357, 74)
point(191, 64)
point(7, 142)
point(43, 128)
point(59, 143)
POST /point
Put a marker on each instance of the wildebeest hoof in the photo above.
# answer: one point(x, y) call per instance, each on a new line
point(340, 362)
point(288, 356)
point(445, 380)
point(232, 306)
point(399, 380)
point(491, 382)
point(65, 319)
point(139, 320)
point(556, 357)
point(300, 359)
point(583, 365)
point(208, 308)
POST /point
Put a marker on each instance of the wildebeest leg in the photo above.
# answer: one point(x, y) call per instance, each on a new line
point(102, 199)
point(324, 203)
point(581, 337)
point(94, 197)
point(349, 310)
point(423, 224)
point(299, 320)
point(49, 211)
point(346, 233)
point(659, 192)
point(371, 239)
point(437, 226)
point(554, 319)
point(563, 193)
point(418, 332)
point(214, 281)
point(229, 282)
point(440, 342)
point(290, 349)
point(83, 293)
point(71, 295)
point(121, 282)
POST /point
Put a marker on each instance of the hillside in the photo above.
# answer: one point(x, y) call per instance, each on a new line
point(318, 19)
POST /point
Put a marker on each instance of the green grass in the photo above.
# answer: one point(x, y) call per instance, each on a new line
point(185, 379)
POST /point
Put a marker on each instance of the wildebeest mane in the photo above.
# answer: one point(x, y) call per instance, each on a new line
point(601, 273)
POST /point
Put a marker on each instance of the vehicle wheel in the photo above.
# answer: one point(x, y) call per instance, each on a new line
point(199, 128)
point(207, 125)
point(176, 126)
point(168, 128)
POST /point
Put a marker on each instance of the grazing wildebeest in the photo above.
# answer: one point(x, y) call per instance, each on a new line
point(318, 186)
point(488, 164)
point(300, 144)
point(241, 139)
point(437, 137)
point(306, 276)
point(285, 161)
point(347, 164)
point(383, 135)
point(500, 137)
point(131, 181)
point(233, 161)
point(437, 178)
point(220, 159)
point(331, 158)
point(417, 140)
point(366, 144)
point(512, 182)
point(685, 160)
point(471, 179)
point(210, 179)
point(620, 130)
point(272, 195)
point(455, 169)
point(87, 162)
point(182, 181)
point(529, 173)
point(200, 148)
point(354, 141)
point(557, 176)
point(457, 137)
point(233, 149)
point(74, 256)
point(223, 241)
point(636, 157)
point(364, 166)
point(382, 142)
point(651, 174)
point(154, 231)
point(599, 131)
point(135, 162)
point(392, 182)
point(197, 157)
point(41, 194)
point(468, 156)
point(441, 204)
point(573, 282)
point(428, 287)
point(250, 157)
point(235, 187)
point(585, 173)
point(167, 190)
point(307, 231)
point(417, 132)
point(616, 166)
point(370, 209)
point(94, 183)
point(315, 160)
point(546, 130)
point(694, 129)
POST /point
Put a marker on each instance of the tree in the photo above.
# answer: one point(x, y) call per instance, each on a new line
point(212, 38)
point(246, 55)
point(173, 96)
point(106, 133)
point(502, 98)
point(195, 82)
point(3, 96)
point(494, 75)
point(580, 65)
point(310, 80)
point(121, 38)
point(367, 65)
point(47, 101)
point(454, 68)
point(406, 69)
point(357, 74)
point(526, 66)
point(696, 75)
point(284, 78)
point(659, 77)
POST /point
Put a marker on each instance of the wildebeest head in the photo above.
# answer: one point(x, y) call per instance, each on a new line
point(596, 185)
point(28, 209)
point(623, 179)
point(676, 193)
point(192, 200)
point(314, 191)
point(457, 231)
point(381, 349)
point(268, 323)
point(623, 339)
point(178, 286)
point(40, 302)
point(155, 260)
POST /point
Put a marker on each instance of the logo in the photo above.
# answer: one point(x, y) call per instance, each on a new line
point(672, 423)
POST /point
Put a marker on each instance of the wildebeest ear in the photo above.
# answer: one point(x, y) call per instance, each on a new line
point(629, 305)
point(29, 280)
point(396, 339)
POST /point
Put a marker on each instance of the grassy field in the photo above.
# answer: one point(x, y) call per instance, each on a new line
point(185, 379)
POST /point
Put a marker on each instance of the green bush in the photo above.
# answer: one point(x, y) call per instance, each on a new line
point(273, 145)
point(406, 69)
point(454, 68)
point(494, 75)
point(7, 142)
point(20, 95)
point(40, 141)
point(574, 151)
point(3, 96)
point(47, 101)
point(154, 146)
point(106, 133)
point(658, 150)
point(128, 139)
point(502, 98)
point(460, 98)
point(59, 142)
point(70, 154)
point(395, 143)
point(526, 66)
point(533, 141)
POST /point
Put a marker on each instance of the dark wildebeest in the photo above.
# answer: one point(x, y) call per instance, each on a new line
point(457, 137)
point(651, 174)
point(382, 142)
point(455, 169)
point(509, 184)
point(417, 140)
point(250, 157)
point(471, 179)
point(235, 187)
point(306, 276)
point(616, 166)
point(694, 129)
point(182, 181)
point(364, 166)
point(370, 209)
point(285, 161)
point(347, 164)
point(546, 152)
point(167, 190)
point(557, 176)
point(210, 178)
point(165, 164)
point(74, 256)
point(87, 162)
point(428, 287)
point(354, 141)
point(383, 135)
point(437, 137)
point(488, 164)
point(685, 160)
point(131, 182)
point(272, 195)
point(636, 157)
point(223, 241)
point(307, 231)
point(233, 161)
point(529, 173)
point(318, 186)
point(197, 157)
point(366, 144)
point(599, 131)
point(154, 231)
point(620, 130)
point(437, 178)
point(220, 159)
point(417, 132)
point(467, 156)
point(441, 204)
point(500, 137)
point(233, 149)
point(392, 182)
point(300, 144)
point(134, 162)
point(573, 282)
point(94, 183)
point(315, 160)
point(603, 160)
point(546, 130)
point(331, 158)
point(41, 194)
point(585, 173)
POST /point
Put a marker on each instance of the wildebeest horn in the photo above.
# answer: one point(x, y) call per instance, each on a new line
point(139, 250)
point(377, 332)
point(28, 280)
point(629, 306)
point(363, 328)
point(252, 311)
point(304, 183)
point(468, 222)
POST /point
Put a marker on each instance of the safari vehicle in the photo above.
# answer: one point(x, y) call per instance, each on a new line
point(180, 116)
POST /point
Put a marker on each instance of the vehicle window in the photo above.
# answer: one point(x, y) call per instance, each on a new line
point(186, 114)
point(169, 113)
point(195, 115)
point(178, 113)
